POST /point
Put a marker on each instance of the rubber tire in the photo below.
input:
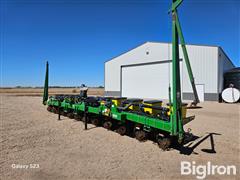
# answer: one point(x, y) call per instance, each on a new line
point(122, 130)
point(140, 135)
point(164, 143)
point(70, 115)
point(95, 121)
point(107, 125)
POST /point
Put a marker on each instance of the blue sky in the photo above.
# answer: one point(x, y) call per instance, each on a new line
point(77, 37)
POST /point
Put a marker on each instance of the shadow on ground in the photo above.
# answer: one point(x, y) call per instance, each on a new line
point(193, 141)
point(187, 148)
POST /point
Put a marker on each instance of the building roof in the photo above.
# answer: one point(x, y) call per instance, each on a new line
point(171, 43)
point(234, 70)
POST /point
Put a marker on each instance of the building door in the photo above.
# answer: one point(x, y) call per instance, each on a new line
point(148, 80)
point(200, 91)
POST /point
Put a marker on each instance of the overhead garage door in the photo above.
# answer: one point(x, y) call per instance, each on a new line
point(146, 80)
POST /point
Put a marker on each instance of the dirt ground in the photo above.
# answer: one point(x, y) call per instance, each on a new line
point(63, 150)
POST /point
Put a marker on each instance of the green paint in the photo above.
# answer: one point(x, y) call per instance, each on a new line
point(45, 92)
point(80, 107)
point(186, 58)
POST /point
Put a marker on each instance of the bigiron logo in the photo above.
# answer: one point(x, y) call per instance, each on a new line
point(202, 171)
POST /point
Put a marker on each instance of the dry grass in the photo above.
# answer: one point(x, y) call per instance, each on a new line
point(52, 91)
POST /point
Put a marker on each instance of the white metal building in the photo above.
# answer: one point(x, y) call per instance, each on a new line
point(145, 72)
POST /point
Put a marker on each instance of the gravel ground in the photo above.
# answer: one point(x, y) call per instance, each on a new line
point(55, 149)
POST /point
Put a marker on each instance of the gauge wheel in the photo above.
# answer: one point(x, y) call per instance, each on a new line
point(164, 143)
point(107, 125)
point(140, 135)
point(54, 110)
point(95, 121)
point(62, 113)
point(49, 108)
point(122, 130)
point(70, 115)
point(77, 117)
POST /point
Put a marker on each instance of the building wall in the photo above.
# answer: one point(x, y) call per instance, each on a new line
point(204, 65)
point(225, 64)
point(203, 60)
